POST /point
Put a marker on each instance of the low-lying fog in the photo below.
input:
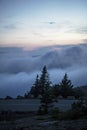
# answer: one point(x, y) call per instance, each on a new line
point(19, 67)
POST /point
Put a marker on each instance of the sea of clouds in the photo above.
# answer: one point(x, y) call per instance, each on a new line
point(19, 67)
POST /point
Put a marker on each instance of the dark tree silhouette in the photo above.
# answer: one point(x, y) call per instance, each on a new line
point(44, 80)
point(35, 89)
point(45, 91)
point(66, 87)
point(56, 90)
point(78, 93)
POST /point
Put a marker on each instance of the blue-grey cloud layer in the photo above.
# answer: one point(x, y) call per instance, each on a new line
point(18, 68)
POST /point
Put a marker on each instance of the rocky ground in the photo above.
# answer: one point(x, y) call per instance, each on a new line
point(43, 123)
point(29, 120)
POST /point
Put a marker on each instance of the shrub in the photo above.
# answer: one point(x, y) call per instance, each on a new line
point(78, 110)
point(55, 113)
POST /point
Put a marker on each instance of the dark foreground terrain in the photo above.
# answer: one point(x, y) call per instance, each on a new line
point(22, 115)
point(43, 123)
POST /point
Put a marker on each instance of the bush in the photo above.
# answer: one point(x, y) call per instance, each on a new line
point(59, 115)
point(78, 110)
point(8, 97)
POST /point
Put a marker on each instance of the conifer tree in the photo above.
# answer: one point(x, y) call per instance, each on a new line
point(56, 90)
point(66, 87)
point(45, 89)
point(44, 80)
point(35, 90)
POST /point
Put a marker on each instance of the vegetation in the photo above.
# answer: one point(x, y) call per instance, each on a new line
point(66, 87)
point(35, 90)
point(20, 97)
point(78, 93)
point(78, 110)
point(49, 93)
point(8, 97)
point(45, 92)
point(43, 85)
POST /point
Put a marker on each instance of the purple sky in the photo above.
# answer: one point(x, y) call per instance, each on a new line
point(35, 23)
point(34, 33)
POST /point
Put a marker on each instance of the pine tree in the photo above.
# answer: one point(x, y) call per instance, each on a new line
point(66, 87)
point(45, 91)
point(44, 80)
point(56, 91)
point(35, 90)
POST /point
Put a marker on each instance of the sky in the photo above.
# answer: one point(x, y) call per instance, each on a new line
point(34, 33)
point(36, 23)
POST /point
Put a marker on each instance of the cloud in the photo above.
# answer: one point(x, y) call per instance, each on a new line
point(52, 22)
point(85, 40)
point(16, 84)
point(15, 60)
point(77, 29)
point(76, 74)
point(18, 67)
point(38, 34)
point(82, 30)
point(10, 26)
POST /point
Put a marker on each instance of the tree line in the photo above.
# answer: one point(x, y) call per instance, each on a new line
point(43, 85)
point(49, 93)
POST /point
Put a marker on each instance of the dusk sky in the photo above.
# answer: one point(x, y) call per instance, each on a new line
point(42, 22)
point(34, 33)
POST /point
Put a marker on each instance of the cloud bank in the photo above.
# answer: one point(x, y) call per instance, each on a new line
point(18, 67)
